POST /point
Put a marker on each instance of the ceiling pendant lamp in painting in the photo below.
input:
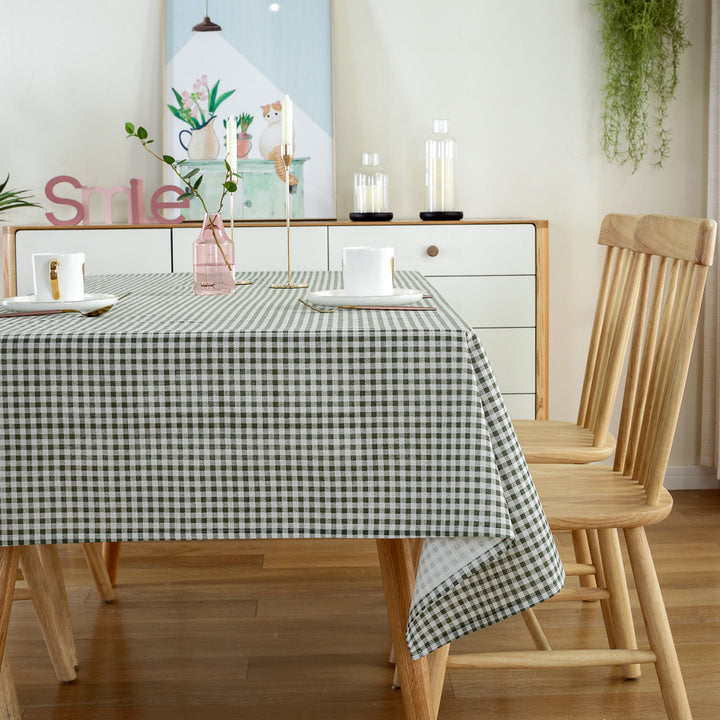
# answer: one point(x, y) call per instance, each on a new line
point(207, 25)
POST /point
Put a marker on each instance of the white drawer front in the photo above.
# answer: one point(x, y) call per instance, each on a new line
point(462, 250)
point(520, 407)
point(511, 352)
point(106, 251)
point(261, 248)
point(491, 301)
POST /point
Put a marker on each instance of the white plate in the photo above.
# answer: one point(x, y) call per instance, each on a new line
point(30, 302)
point(400, 296)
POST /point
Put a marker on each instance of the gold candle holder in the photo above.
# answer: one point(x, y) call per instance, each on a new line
point(287, 156)
point(232, 233)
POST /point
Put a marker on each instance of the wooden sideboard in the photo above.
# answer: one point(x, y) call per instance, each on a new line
point(495, 272)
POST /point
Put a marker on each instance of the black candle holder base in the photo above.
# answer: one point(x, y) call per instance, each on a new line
point(371, 216)
point(441, 215)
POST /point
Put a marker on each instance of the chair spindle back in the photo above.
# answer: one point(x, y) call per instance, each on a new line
point(673, 255)
point(619, 287)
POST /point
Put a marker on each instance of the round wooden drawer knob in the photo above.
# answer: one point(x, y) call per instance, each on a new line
point(433, 250)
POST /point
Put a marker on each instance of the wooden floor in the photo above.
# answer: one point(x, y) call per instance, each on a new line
point(297, 631)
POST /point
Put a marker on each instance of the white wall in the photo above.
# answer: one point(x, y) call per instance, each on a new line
point(519, 81)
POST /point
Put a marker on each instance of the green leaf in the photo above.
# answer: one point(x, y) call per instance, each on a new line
point(192, 173)
point(129, 129)
point(213, 95)
point(142, 133)
point(197, 184)
point(169, 159)
point(177, 113)
point(230, 186)
point(222, 98)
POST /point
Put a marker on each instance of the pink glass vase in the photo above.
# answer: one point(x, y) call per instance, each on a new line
point(213, 259)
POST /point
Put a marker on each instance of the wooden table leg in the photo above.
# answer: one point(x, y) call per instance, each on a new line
point(43, 574)
point(99, 572)
point(398, 576)
point(111, 555)
point(9, 705)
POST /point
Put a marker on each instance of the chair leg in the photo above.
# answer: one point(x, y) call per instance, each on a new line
point(99, 572)
point(111, 555)
point(657, 625)
point(9, 705)
point(596, 556)
point(43, 574)
point(582, 555)
point(536, 632)
point(616, 583)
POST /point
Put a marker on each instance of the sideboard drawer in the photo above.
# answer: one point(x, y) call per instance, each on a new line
point(520, 407)
point(511, 352)
point(491, 301)
point(461, 249)
point(261, 248)
point(107, 251)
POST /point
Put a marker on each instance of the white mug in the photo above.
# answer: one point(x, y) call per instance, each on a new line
point(368, 271)
point(59, 276)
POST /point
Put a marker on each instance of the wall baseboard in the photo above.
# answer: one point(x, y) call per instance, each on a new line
point(691, 477)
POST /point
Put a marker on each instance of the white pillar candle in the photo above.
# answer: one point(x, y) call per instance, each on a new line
point(231, 143)
point(446, 184)
point(369, 198)
point(287, 121)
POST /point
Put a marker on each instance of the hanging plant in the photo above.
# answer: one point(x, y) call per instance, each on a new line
point(642, 41)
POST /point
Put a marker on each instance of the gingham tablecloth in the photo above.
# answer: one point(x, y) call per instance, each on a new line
point(244, 416)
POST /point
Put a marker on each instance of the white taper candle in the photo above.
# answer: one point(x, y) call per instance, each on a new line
point(231, 143)
point(287, 121)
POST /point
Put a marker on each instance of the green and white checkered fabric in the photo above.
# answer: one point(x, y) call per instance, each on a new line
point(183, 417)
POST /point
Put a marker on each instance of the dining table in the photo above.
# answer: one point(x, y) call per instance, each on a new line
point(182, 417)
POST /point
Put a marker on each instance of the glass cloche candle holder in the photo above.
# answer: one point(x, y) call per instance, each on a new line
point(440, 155)
point(370, 191)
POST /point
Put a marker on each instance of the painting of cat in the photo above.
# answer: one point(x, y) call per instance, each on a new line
point(271, 139)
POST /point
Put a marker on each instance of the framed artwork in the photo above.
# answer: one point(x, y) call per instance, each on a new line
point(225, 58)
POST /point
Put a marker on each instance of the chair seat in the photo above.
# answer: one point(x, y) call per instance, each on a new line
point(595, 496)
point(553, 441)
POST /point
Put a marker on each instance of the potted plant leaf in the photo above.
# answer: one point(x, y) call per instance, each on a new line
point(11, 199)
point(244, 140)
point(642, 42)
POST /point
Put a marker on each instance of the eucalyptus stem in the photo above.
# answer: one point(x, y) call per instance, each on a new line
point(191, 180)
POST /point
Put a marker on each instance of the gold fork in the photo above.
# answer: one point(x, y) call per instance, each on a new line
point(367, 307)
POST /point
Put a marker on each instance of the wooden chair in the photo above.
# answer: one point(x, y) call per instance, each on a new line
point(589, 440)
point(630, 495)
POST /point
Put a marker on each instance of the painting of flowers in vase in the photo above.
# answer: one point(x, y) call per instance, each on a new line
point(256, 53)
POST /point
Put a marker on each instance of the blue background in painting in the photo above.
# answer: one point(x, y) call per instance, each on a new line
point(292, 47)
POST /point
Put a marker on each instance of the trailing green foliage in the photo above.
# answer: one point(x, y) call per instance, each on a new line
point(642, 41)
